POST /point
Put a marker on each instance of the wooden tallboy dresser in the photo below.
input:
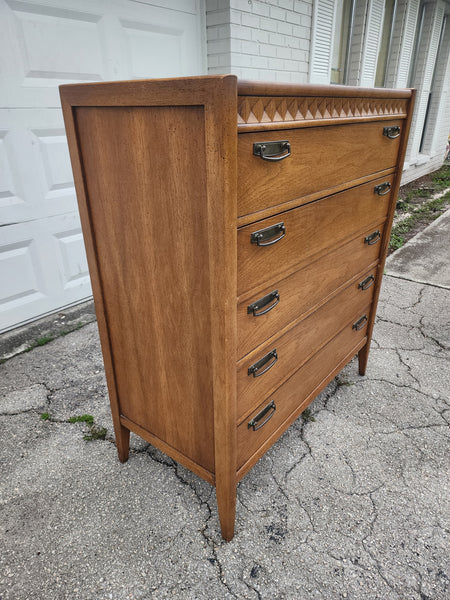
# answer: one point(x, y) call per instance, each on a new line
point(236, 235)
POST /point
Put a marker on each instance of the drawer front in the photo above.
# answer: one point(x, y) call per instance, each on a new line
point(321, 157)
point(265, 369)
point(294, 392)
point(308, 230)
point(299, 292)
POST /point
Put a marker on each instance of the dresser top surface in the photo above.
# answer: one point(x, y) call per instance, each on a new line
point(262, 88)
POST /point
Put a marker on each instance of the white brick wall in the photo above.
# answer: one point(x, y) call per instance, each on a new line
point(258, 39)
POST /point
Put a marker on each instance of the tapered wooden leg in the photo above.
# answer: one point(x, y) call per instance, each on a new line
point(363, 356)
point(122, 441)
point(226, 504)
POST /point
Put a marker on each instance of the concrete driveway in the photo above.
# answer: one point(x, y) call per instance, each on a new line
point(352, 502)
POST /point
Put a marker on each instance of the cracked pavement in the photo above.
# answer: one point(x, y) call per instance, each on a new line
point(352, 502)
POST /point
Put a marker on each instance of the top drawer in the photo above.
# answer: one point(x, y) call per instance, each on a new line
point(321, 158)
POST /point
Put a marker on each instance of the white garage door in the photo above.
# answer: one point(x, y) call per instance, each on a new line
point(42, 45)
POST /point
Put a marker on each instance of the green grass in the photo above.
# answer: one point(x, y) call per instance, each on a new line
point(307, 416)
point(89, 419)
point(95, 433)
point(441, 179)
point(49, 338)
point(428, 212)
point(45, 416)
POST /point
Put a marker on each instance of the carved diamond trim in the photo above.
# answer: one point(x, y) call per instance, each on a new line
point(268, 109)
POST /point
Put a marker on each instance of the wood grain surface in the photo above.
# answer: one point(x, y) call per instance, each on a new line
point(310, 229)
point(295, 395)
point(298, 343)
point(320, 158)
point(169, 193)
point(303, 291)
point(151, 240)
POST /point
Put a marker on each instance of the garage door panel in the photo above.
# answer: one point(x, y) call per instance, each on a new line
point(62, 56)
point(18, 258)
point(188, 6)
point(50, 258)
point(51, 46)
point(36, 176)
point(8, 196)
point(54, 154)
point(45, 43)
point(73, 261)
point(145, 42)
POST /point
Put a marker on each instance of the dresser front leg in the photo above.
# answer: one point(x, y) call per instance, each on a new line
point(122, 441)
point(363, 356)
point(226, 505)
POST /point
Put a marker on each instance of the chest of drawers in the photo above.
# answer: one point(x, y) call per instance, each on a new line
point(236, 235)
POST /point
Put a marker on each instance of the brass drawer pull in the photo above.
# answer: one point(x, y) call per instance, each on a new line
point(259, 237)
point(253, 370)
point(271, 150)
point(391, 132)
point(366, 283)
point(255, 306)
point(270, 408)
point(382, 189)
point(373, 238)
point(360, 323)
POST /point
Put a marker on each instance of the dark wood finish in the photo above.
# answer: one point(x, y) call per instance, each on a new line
point(321, 158)
point(303, 291)
point(162, 170)
point(297, 392)
point(310, 229)
point(138, 274)
point(128, 187)
point(247, 87)
point(294, 347)
point(273, 210)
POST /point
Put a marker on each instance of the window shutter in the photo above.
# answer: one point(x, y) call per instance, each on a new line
point(409, 30)
point(374, 28)
point(322, 41)
point(424, 73)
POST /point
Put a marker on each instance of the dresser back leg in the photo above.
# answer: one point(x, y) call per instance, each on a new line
point(122, 441)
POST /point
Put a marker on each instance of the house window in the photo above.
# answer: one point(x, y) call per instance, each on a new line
point(390, 10)
point(341, 40)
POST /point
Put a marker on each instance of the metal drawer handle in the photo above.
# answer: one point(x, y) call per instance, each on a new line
point(253, 370)
point(391, 132)
point(372, 238)
point(271, 150)
point(382, 189)
point(360, 323)
point(255, 306)
point(259, 237)
point(254, 422)
point(366, 283)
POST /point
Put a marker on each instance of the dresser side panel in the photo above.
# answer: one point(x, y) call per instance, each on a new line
point(146, 193)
